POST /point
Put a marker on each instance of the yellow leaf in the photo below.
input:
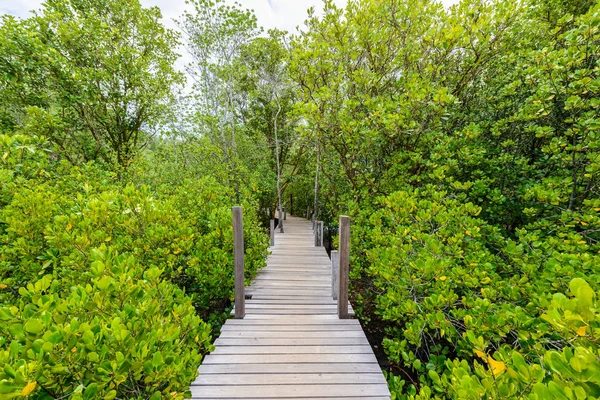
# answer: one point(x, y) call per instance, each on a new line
point(5, 155)
point(468, 232)
point(497, 367)
point(443, 278)
point(74, 349)
point(583, 223)
point(581, 331)
point(177, 251)
point(69, 226)
point(597, 209)
point(3, 286)
point(27, 390)
point(196, 338)
point(108, 239)
point(582, 242)
point(486, 280)
point(480, 353)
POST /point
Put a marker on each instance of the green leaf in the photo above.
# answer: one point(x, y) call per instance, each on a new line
point(33, 326)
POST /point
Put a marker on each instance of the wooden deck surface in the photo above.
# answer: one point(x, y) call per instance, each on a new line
point(291, 344)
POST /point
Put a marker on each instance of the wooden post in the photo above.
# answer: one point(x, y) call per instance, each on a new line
point(335, 274)
point(344, 256)
point(280, 221)
point(317, 234)
point(291, 204)
point(307, 212)
point(284, 213)
point(272, 232)
point(238, 251)
point(321, 233)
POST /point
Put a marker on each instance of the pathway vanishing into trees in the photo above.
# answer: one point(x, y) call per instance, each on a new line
point(291, 343)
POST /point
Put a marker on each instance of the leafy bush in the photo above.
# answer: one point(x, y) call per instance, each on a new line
point(121, 331)
point(461, 305)
point(93, 272)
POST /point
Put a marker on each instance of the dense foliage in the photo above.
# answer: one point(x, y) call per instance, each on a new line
point(465, 144)
point(116, 253)
point(463, 141)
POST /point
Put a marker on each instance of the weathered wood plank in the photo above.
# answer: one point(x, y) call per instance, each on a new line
point(289, 320)
point(276, 350)
point(291, 341)
point(288, 391)
point(293, 334)
point(289, 368)
point(289, 379)
point(292, 358)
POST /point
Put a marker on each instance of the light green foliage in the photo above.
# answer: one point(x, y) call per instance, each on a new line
point(97, 75)
point(120, 331)
point(66, 224)
point(463, 143)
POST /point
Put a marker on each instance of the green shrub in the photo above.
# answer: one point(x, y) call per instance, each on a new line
point(120, 331)
point(110, 288)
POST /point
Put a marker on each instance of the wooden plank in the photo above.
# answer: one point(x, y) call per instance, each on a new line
point(291, 301)
point(291, 341)
point(289, 379)
point(285, 358)
point(291, 306)
point(319, 317)
point(311, 398)
point(293, 334)
point(279, 292)
point(289, 368)
point(276, 350)
point(288, 391)
point(274, 312)
point(295, 321)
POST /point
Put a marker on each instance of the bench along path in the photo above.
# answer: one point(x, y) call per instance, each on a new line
point(291, 343)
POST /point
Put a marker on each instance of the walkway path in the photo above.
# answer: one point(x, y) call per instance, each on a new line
point(291, 343)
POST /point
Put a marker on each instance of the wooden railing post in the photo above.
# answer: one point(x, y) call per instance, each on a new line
point(335, 274)
point(318, 230)
point(280, 221)
point(272, 232)
point(238, 254)
point(321, 233)
point(284, 213)
point(344, 267)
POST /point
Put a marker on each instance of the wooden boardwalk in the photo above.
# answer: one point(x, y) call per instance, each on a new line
point(291, 344)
